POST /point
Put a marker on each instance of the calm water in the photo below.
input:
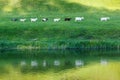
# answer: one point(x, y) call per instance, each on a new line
point(26, 62)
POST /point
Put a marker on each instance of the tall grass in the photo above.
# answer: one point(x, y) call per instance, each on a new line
point(63, 44)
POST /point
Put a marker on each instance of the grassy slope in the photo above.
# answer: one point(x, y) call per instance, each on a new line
point(109, 4)
point(89, 33)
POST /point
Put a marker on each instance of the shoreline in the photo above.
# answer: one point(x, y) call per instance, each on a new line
point(61, 45)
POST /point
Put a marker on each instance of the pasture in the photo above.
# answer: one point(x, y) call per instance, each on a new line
point(58, 34)
point(63, 34)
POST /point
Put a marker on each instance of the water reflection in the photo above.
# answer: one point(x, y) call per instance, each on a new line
point(54, 60)
point(103, 62)
point(34, 63)
point(22, 63)
point(44, 63)
point(56, 63)
point(79, 63)
point(59, 63)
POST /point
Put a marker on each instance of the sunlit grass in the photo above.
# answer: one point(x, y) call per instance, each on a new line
point(109, 4)
point(60, 35)
point(11, 4)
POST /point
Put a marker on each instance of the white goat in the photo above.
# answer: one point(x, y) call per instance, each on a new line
point(79, 18)
point(56, 19)
point(104, 18)
point(33, 19)
point(23, 20)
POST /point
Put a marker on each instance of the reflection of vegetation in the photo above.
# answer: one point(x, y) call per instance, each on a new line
point(55, 54)
point(95, 72)
point(90, 72)
point(3, 70)
point(11, 68)
point(67, 59)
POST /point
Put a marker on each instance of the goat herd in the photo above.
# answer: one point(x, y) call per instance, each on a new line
point(57, 19)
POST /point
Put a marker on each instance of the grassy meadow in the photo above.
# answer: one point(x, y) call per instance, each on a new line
point(90, 33)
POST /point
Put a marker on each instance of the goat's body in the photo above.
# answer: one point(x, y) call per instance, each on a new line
point(56, 19)
point(33, 19)
point(104, 18)
point(79, 18)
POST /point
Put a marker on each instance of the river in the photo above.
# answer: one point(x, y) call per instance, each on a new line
point(58, 65)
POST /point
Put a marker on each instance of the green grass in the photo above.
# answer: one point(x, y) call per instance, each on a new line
point(90, 33)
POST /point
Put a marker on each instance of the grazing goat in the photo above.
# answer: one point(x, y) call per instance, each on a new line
point(14, 19)
point(23, 20)
point(104, 18)
point(56, 19)
point(67, 19)
point(79, 18)
point(33, 19)
point(44, 19)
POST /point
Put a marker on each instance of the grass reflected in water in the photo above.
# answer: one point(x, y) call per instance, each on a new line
point(59, 65)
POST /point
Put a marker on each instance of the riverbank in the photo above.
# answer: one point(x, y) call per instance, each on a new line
point(68, 44)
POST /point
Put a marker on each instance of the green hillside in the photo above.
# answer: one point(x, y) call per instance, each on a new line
point(58, 5)
point(90, 33)
point(40, 5)
point(108, 4)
